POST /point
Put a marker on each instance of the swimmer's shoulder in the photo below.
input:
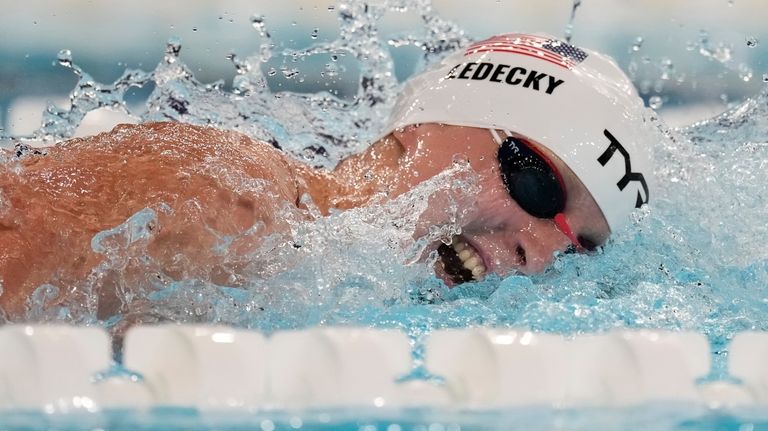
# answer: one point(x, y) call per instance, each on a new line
point(170, 149)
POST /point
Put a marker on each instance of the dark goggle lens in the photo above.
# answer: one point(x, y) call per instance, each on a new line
point(529, 179)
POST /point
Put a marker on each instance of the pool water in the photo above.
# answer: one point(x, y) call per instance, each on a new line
point(695, 260)
point(654, 416)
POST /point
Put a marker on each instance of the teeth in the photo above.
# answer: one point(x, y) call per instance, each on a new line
point(469, 258)
point(478, 271)
point(471, 263)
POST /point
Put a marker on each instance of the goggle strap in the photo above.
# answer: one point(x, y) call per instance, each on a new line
point(496, 136)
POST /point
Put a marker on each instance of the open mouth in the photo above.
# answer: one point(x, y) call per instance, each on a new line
point(461, 261)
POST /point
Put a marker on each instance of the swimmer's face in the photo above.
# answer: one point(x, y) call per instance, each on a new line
point(497, 234)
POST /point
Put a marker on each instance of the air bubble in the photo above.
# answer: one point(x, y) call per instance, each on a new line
point(655, 102)
point(765, 77)
point(637, 44)
point(752, 41)
point(314, 33)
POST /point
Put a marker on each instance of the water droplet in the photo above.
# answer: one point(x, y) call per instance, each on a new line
point(752, 41)
point(569, 26)
point(655, 102)
point(745, 72)
point(241, 66)
point(290, 73)
point(331, 8)
point(259, 23)
point(65, 58)
point(194, 28)
point(637, 44)
point(667, 67)
point(331, 70)
point(313, 35)
point(765, 77)
point(172, 49)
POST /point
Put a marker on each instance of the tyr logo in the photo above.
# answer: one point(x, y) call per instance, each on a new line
point(628, 174)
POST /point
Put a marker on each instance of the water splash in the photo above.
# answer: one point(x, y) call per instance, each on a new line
point(569, 26)
point(696, 260)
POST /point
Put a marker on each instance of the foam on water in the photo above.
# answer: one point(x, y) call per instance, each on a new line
point(697, 259)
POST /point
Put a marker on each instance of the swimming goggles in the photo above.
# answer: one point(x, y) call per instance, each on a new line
point(534, 182)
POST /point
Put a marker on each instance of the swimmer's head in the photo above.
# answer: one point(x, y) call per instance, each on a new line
point(575, 102)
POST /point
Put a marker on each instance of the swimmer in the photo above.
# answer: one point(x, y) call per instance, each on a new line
point(555, 134)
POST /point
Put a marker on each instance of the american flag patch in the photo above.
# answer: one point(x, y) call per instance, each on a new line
point(551, 50)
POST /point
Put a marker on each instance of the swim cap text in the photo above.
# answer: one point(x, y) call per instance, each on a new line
point(505, 73)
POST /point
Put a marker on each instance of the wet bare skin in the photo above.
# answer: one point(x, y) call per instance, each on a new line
point(224, 183)
point(58, 202)
point(215, 183)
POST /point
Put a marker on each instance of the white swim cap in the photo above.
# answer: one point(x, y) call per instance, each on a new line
point(575, 102)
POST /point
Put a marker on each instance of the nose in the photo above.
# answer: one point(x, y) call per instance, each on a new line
point(537, 244)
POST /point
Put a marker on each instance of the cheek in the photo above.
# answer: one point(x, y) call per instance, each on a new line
point(494, 208)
